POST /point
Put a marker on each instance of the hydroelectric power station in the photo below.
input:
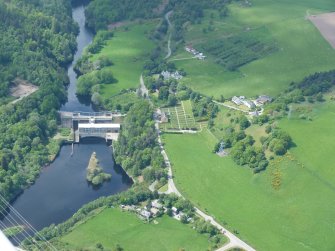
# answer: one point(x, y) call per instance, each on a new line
point(92, 124)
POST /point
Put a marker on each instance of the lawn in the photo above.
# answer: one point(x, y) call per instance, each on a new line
point(112, 227)
point(301, 48)
point(128, 50)
point(297, 216)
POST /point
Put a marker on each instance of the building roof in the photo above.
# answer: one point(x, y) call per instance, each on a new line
point(154, 210)
point(156, 204)
point(145, 213)
point(97, 125)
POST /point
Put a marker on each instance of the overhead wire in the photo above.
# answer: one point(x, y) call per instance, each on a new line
point(26, 223)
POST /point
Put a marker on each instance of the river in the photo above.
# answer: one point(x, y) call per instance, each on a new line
point(62, 188)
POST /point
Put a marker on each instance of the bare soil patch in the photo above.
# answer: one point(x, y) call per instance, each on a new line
point(21, 89)
point(325, 23)
point(115, 25)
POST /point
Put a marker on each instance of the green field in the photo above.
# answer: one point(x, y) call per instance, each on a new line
point(128, 50)
point(297, 216)
point(301, 48)
point(112, 227)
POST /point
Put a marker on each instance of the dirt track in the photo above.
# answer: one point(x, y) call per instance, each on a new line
point(22, 89)
point(326, 25)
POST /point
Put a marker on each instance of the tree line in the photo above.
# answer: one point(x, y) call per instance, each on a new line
point(101, 13)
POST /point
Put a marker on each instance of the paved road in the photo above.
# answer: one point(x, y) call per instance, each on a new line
point(167, 16)
point(234, 241)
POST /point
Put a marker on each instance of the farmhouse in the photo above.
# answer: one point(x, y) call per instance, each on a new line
point(154, 211)
point(197, 54)
point(238, 100)
point(145, 214)
point(262, 100)
point(249, 104)
point(174, 75)
point(156, 204)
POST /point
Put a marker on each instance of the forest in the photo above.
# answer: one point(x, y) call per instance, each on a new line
point(101, 13)
point(137, 147)
point(37, 42)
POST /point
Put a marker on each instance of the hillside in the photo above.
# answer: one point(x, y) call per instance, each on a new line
point(37, 41)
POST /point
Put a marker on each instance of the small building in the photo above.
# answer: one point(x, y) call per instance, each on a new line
point(262, 100)
point(164, 118)
point(154, 211)
point(188, 48)
point(249, 104)
point(174, 75)
point(237, 100)
point(145, 214)
point(156, 204)
point(174, 210)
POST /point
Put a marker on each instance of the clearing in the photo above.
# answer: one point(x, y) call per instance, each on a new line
point(300, 48)
point(22, 89)
point(112, 227)
point(326, 25)
point(128, 49)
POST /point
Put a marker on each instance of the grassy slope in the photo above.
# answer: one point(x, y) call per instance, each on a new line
point(299, 216)
point(302, 49)
point(128, 51)
point(113, 227)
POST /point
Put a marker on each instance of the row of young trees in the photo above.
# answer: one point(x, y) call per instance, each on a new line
point(37, 41)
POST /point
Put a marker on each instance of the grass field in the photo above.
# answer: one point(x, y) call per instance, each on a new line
point(128, 50)
point(112, 227)
point(301, 48)
point(297, 215)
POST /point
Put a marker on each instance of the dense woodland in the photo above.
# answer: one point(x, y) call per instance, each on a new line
point(310, 89)
point(37, 41)
point(137, 147)
point(192, 11)
point(101, 13)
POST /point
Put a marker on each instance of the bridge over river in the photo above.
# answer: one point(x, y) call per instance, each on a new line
point(92, 124)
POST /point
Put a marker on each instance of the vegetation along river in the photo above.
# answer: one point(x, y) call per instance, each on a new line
point(62, 188)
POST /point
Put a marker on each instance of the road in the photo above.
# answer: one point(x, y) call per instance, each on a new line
point(230, 106)
point(234, 241)
point(167, 16)
point(143, 89)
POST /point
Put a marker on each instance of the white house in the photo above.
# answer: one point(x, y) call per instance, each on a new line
point(156, 204)
point(145, 214)
point(237, 100)
point(249, 104)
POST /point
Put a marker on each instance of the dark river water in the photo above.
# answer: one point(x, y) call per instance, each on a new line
point(62, 188)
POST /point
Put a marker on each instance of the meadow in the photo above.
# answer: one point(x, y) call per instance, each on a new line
point(290, 206)
point(128, 49)
point(301, 50)
point(112, 227)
